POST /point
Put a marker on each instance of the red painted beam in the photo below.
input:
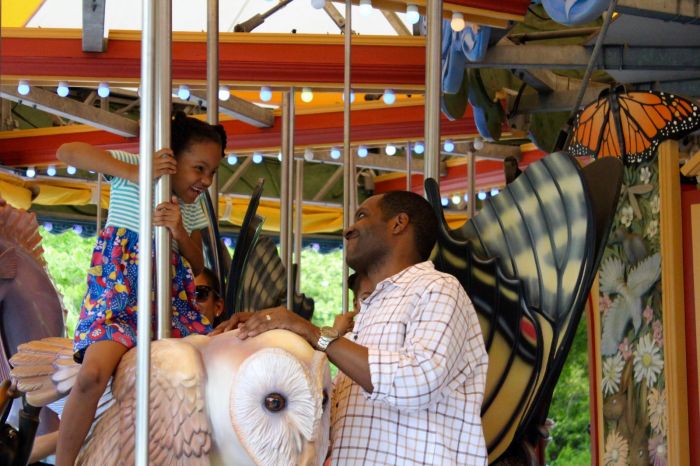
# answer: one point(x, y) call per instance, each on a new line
point(322, 129)
point(279, 60)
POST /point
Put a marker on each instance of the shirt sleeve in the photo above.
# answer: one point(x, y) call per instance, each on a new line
point(442, 345)
point(193, 216)
point(125, 157)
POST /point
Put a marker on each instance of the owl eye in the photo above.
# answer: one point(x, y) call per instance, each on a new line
point(275, 402)
point(325, 400)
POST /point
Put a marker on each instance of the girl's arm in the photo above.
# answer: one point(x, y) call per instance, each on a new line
point(87, 157)
point(167, 214)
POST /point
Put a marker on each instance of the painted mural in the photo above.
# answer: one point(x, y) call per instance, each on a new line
point(632, 339)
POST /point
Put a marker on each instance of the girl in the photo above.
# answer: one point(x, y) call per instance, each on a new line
point(107, 325)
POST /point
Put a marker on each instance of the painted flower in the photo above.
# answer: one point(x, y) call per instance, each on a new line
point(612, 372)
point(625, 349)
point(648, 314)
point(645, 175)
point(616, 450)
point(652, 229)
point(654, 204)
point(648, 362)
point(626, 215)
point(658, 418)
point(658, 451)
point(658, 330)
point(604, 303)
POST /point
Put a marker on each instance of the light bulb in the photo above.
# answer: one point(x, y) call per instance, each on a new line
point(318, 4)
point(352, 96)
point(390, 149)
point(466, 198)
point(418, 148)
point(444, 201)
point(412, 14)
point(78, 229)
point(481, 195)
point(307, 95)
point(224, 93)
point(362, 152)
point(495, 192)
point(457, 22)
point(308, 154)
point(232, 159)
point(456, 199)
point(449, 146)
point(279, 156)
point(227, 242)
point(365, 7)
point(51, 171)
point(23, 87)
point(265, 93)
point(103, 90)
point(183, 92)
point(48, 226)
point(257, 157)
point(62, 89)
point(335, 153)
point(71, 170)
point(389, 97)
point(478, 143)
point(31, 172)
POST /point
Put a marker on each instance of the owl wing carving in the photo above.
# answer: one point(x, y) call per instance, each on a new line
point(180, 433)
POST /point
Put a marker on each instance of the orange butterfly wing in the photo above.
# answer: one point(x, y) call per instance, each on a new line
point(645, 119)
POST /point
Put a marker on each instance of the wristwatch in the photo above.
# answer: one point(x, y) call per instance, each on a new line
point(328, 336)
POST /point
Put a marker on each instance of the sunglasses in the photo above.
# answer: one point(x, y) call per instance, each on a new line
point(201, 292)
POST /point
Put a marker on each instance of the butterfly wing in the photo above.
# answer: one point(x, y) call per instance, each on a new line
point(589, 129)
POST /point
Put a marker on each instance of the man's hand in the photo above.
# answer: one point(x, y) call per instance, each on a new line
point(279, 317)
point(344, 323)
point(167, 214)
point(234, 322)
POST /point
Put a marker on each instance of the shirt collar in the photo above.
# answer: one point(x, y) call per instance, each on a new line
point(406, 276)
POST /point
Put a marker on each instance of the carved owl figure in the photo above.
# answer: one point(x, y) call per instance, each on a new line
point(214, 400)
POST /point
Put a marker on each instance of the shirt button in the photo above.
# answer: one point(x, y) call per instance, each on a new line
point(355, 338)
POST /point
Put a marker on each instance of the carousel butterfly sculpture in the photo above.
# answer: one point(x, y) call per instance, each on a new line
point(213, 400)
point(631, 125)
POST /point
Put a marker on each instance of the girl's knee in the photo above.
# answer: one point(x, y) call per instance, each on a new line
point(91, 378)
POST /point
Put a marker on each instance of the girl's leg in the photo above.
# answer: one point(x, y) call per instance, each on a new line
point(100, 360)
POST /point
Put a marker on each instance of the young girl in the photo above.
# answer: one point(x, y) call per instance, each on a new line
point(107, 325)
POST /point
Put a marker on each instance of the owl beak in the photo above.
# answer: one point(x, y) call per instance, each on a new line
point(308, 455)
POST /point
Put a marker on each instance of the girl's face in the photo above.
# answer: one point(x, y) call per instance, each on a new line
point(196, 167)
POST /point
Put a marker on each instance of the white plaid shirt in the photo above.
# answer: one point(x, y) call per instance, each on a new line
point(428, 366)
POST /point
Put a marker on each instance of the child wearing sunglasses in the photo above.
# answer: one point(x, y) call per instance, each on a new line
point(209, 301)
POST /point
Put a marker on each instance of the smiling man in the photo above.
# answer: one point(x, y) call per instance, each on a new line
point(413, 367)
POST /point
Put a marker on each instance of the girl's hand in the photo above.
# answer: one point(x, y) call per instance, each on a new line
point(344, 323)
point(164, 163)
point(167, 214)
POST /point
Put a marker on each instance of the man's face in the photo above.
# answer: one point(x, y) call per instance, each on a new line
point(367, 239)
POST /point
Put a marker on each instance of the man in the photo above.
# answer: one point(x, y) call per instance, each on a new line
point(414, 365)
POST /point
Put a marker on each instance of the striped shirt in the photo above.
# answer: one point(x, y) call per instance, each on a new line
point(124, 202)
point(427, 363)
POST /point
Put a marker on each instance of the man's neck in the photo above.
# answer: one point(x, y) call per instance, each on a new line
point(388, 268)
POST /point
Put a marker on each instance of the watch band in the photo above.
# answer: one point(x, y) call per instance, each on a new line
point(328, 336)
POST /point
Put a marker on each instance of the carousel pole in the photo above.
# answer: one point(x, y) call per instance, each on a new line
point(409, 168)
point(143, 358)
point(162, 140)
point(98, 221)
point(213, 86)
point(471, 168)
point(348, 166)
point(298, 212)
point(286, 198)
point(432, 90)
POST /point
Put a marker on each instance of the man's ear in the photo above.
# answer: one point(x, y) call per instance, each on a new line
point(400, 223)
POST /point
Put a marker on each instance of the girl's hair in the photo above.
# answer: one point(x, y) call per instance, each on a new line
point(185, 130)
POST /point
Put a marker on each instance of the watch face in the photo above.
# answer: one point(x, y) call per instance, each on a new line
point(329, 332)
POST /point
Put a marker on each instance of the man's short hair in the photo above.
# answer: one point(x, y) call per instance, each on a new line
point(420, 215)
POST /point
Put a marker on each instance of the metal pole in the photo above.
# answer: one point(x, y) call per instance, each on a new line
point(143, 355)
point(471, 160)
point(348, 170)
point(162, 140)
point(409, 160)
point(284, 179)
point(98, 222)
point(298, 214)
point(213, 84)
point(289, 200)
point(432, 89)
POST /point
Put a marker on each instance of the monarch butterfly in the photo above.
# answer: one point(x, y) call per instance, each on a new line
point(643, 118)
